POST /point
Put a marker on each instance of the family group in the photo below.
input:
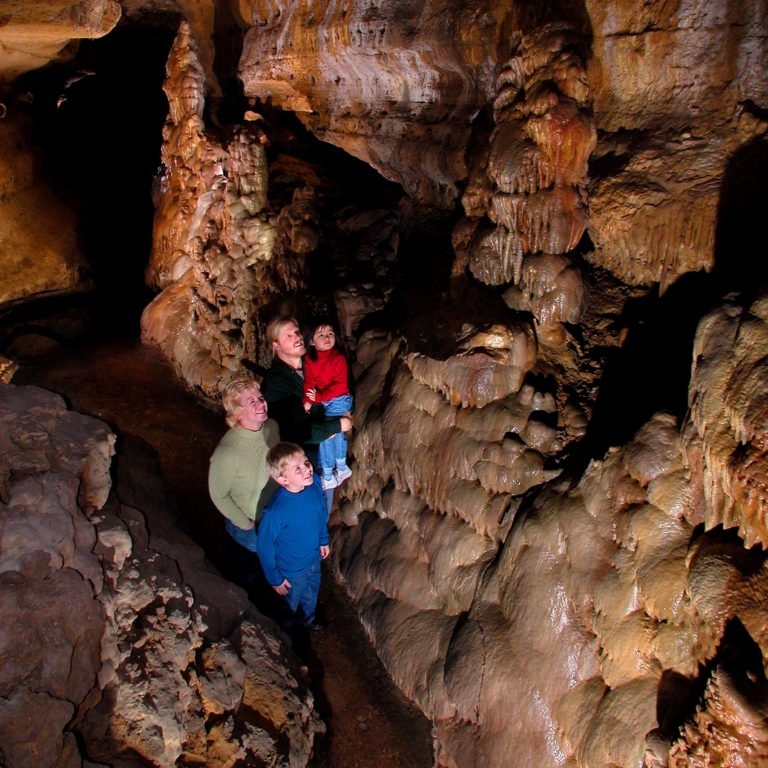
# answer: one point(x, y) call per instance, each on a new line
point(262, 473)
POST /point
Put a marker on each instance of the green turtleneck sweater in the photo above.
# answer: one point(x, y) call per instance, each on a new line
point(238, 481)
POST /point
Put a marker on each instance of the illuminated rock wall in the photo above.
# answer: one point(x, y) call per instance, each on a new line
point(613, 615)
point(120, 644)
point(216, 246)
point(569, 630)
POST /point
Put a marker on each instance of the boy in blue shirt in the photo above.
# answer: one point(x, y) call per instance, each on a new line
point(293, 534)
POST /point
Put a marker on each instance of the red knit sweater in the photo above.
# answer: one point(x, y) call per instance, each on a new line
point(327, 375)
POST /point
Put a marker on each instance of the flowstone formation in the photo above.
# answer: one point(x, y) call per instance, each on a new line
point(525, 203)
point(541, 609)
point(215, 244)
point(120, 645)
point(583, 628)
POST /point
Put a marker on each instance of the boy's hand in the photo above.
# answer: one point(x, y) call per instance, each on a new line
point(282, 589)
point(345, 423)
point(307, 407)
point(325, 550)
point(310, 395)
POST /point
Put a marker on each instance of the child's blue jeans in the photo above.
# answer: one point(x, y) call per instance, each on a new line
point(302, 596)
point(334, 449)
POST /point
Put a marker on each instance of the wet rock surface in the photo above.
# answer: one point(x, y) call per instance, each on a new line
point(118, 635)
point(366, 721)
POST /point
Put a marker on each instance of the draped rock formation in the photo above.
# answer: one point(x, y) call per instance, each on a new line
point(541, 601)
point(214, 238)
point(677, 89)
point(552, 631)
point(120, 644)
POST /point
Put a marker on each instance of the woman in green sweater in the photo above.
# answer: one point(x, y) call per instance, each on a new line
point(238, 481)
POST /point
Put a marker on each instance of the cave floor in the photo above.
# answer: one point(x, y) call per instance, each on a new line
point(133, 389)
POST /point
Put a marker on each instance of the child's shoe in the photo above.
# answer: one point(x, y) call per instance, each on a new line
point(328, 482)
point(343, 472)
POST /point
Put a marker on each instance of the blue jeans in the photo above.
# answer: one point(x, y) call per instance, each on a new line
point(244, 538)
point(302, 596)
point(334, 449)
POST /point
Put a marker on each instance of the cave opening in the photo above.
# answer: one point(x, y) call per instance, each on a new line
point(98, 122)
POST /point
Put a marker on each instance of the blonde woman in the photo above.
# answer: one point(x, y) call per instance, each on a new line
point(238, 481)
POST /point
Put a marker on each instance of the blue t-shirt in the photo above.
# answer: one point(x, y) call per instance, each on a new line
point(292, 530)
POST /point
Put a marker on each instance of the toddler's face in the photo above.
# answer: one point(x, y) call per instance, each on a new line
point(297, 473)
point(323, 338)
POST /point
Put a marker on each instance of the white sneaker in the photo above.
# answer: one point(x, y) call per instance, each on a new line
point(343, 474)
point(329, 484)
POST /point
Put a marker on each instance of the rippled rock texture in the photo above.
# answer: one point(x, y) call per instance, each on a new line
point(590, 154)
point(119, 643)
point(584, 627)
point(33, 34)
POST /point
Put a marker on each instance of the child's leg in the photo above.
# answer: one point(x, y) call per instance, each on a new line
point(308, 603)
point(326, 457)
point(340, 450)
point(302, 596)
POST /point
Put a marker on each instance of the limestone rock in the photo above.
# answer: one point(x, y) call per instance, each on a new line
point(118, 639)
point(670, 129)
point(602, 584)
point(526, 194)
point(214, 241)
point(396, 87)
point(728, 415)
point(35, 33)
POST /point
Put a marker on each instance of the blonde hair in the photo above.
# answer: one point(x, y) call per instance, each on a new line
point(230, 398)
point(278, 455)
point(275, 325)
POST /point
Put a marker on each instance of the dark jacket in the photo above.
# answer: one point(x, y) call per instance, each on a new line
point(283, 389)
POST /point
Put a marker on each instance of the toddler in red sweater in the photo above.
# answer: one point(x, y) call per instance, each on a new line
point(326, 381)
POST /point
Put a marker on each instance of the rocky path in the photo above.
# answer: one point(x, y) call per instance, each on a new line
point(134, 390)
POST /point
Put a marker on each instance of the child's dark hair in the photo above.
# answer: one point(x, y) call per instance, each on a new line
point(312, 328)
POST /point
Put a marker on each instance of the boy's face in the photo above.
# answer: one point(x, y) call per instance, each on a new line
point(323, 338)
point(297, 473)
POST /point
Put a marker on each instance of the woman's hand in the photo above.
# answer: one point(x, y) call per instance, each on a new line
point(282, 589)
point(346, 423)
point(325, 550)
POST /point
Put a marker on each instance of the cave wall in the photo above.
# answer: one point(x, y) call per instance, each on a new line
point(40, 251)
point(567, 612)
point(120, 644)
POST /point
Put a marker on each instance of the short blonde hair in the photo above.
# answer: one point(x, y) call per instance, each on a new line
point(278, 455)
point(230, 397)
point(275, 325)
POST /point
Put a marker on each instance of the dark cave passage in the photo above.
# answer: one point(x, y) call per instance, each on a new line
point(98, 122)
